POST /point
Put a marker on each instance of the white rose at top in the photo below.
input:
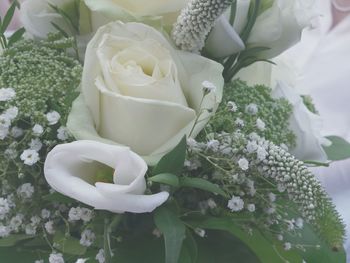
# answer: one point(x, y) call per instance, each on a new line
point(137, 90)
point(134, 10)
point(72, 169)
point(278, 27)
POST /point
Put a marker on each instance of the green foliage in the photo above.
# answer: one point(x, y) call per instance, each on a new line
point(68, 244)
point(174, 233)
point(173, 162)
point(339, 150)
point(275, 113)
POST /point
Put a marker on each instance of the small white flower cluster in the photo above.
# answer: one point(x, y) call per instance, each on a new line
point(100, 257)
point(25, 191)
point(80, 213)
point(195, 23)
point(56, 258)
point(6, 119)
point(7, 94)
point(87, 238)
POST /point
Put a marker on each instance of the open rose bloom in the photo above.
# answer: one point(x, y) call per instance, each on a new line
point(139, 91)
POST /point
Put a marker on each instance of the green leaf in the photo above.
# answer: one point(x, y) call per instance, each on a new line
point(265, 249)
point(68, 244)
point(339, 150)
point(173, 162)
point(166, 178)
point(173, 231)
point(18, 255)
point(202, 184)
point(16, 36)
point(189, 252)
point(13, 240)
point(8, 17)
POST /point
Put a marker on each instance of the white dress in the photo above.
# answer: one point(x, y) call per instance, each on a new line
point(323, 63)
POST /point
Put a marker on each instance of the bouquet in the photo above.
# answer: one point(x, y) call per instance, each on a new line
point(160, 131)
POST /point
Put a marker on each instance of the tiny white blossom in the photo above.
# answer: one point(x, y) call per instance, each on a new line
point(53, 117)
point(208, 87)
point(4, 208)
point(74, 214)
point(25, 191)
point(156, 232)
point(30, 229)
point(251, 208)
point(62, 133)
point(299, 223)
point(30, 157)
point(36, 145)
point(272, 197)
point(200, 232)
point(11, 113)
point(252, 146)
point(39, 261)
point(243, 164)
point(7, 94)
point(232, 106)
point(81, 260)
point(261, 153)
point(100, 257)
point(16, 222)
point(280, 237)
point(213, 145)
point(56, 258)
point(251, 109)
point(87, 238)
point(260, 124)
point(38, 129)
point(235, 204)
point(86, 214)
point(4, 231)
point(211, 203)
point(49, 227)
point(287, 246)
point(239, 122)
point(35, 220)
point(45, 214)
point(4, 131)
point(5, 121)
point(16, 132)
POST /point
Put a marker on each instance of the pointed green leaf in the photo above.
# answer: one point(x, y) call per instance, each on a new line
point(13, 240)
point(173, 231)
point(8, 17)
point(68, 244)
point(16, 36)
point(339, 150)
point(202, 184)
point(173, 162)
point(166, 178)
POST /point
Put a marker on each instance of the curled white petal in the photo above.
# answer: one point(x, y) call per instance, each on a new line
point(71, 170)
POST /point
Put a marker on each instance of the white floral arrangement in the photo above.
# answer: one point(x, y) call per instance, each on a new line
point(159, 131)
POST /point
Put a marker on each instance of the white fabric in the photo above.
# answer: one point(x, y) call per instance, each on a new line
point(323, 62)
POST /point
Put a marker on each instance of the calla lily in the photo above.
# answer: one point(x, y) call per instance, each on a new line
point(71, 170)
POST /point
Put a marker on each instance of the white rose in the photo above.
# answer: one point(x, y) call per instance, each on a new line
point(71, 169)
point(137, 90)
point(304, 124)
point(278, 27)
point(127, 10)
point(37, 16)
